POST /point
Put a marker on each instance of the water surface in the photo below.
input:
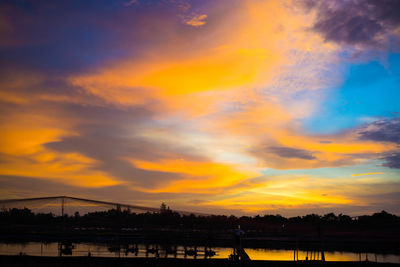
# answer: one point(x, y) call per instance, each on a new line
point(104, 250)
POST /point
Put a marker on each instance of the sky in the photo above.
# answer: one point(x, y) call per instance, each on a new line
point(237, 107)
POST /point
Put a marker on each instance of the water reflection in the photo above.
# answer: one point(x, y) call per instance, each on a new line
point(153, 250)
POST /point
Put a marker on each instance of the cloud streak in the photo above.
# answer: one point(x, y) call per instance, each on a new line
point(367, 173)
point(288, 152)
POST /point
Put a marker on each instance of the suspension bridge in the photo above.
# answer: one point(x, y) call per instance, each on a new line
point(63, 201)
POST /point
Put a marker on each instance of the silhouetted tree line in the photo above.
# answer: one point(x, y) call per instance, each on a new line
point(166, 218)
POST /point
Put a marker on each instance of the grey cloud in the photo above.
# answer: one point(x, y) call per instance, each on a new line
point(392, 160)
point(325, 142)
point(355, 21)
point(384, 131)
point(288, 152)
point(108, 135)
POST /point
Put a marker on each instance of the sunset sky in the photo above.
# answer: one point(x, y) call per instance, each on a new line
point(216, 106)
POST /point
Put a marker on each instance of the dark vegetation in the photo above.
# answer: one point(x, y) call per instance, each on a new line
point(169, 219)
point(380, 231)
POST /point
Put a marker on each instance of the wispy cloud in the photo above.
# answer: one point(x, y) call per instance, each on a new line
point(197, 21)
point(367, 173)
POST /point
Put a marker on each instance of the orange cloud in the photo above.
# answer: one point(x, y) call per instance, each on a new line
point(249, 52)
point(291, 192)
point(69, 168)
point(367, 173)
point(197, 21)
point(197, 176)
point(22, 144)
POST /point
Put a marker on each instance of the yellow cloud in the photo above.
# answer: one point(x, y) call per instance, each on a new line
point(197, 21)
point(254, 202)
point(197, 177)
point(132, 84)
point(22, 142)
point(367, 173)
point(288, 192)
point(232, 68)
point(247, 53)
point(69, 168)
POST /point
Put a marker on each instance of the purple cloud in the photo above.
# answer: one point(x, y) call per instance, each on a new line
point(355, 21)
point(392, 160)
point(385, 131)
point(288, 152)
point(382, 131)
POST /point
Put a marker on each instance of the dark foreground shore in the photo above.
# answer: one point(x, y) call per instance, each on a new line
point(378, 233)
point(28, 261)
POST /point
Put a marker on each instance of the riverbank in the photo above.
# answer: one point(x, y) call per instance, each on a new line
point(27, 261)
point(204, 238)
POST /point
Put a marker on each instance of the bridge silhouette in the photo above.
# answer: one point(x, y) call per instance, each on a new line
point(10, 203)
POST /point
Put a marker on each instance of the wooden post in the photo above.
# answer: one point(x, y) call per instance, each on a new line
point(62, 206)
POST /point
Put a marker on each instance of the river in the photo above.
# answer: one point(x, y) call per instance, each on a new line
point(141, 250)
